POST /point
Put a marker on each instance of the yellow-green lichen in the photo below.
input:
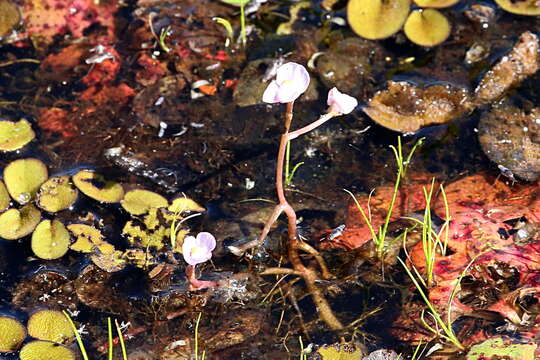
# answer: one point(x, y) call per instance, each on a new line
point(50, 240)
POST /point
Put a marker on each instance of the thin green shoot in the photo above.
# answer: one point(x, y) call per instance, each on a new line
point(402, 165)
point(175, 227)
point(447, 331)
point(110, 338)
point(431, 240)
point(243, 24)
point(290, 174)
point(121, 340)
point(109, 331)
point(228, 27)
point(77, 336)
point(303, 354)
point(203, 356)
point(416, 350)
point(163, 37)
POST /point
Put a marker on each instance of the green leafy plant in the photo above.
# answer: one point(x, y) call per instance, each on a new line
point(203, 355)
point(289, 174)
point(242, 4)
point(380, 235)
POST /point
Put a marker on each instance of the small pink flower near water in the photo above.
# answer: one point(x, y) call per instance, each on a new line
point(292, 80)
point(340, 103)
point(198, 249)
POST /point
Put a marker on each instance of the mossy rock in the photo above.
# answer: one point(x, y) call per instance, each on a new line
point(183, 204)
point(50, 240)
point(4, 197)
point(51, 325)
point(57, 194)
point(435, 3)
point(97, 187)
point(139, 202)
point(15, 135)
point(377, 19)
point(427, 27)
point(10, 17)
point(17, 223)
point(523, 7)
point(23, 178)
point(12, 334)
point(46, 350)
point(89, 239)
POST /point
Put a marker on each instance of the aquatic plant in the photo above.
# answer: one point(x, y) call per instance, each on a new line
point(23, 177)
point(139, 201)
point(17, 223)
point(523, 7)
point(242, 4)
point(291, 81)
point(50, 325)
point(379, 236)
point(15, 135)
point(97, 187)
point(82, 348)
point(12, 334)
point(46, 350)
point(379, 19)
point(50, 240)
point(196, 340)
point(4, 197)
point(56, 194)
point(427, 27)
point(197, 250)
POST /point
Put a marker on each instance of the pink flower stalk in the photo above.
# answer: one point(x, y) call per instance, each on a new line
point(198, 250)
point(292, 80)
point(340, 103)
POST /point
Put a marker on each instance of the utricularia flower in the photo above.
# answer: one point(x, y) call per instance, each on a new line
point(292, 80)
point(198, 249)
point(340, 103)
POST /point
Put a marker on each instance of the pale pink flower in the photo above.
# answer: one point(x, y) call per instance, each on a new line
point(292, 80)
point(198, 249)
point(340, 103)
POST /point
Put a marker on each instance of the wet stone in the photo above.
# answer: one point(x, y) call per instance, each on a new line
point(348, 66)
point(511, 70)
point(406, 108)
point(511, 139)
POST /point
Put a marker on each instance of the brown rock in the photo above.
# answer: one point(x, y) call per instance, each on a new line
point(511, 138)
point(511, 70)
point(406, 108)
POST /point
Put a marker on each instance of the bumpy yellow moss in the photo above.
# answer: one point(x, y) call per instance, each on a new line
point(12, 334)
point(427, 27)
point(17, 223)
point(15, 135)
point(46, 350)
point(56, 194)
point(23, 178)
point(377, 19)
point(50, 325)
point(139, 202)
point(50, 240)
point(97, 187)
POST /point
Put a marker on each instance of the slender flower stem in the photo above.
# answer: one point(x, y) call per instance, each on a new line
point(194, 283)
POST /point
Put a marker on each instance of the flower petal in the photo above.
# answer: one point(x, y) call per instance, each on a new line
point(270, 95)
point(207, 241)
point(340, 103)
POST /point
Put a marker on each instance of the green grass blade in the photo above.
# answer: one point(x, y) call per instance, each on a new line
point(121, 340)
point(77, 336)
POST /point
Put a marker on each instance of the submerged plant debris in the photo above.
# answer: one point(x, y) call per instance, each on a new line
point(138, 151)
